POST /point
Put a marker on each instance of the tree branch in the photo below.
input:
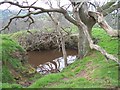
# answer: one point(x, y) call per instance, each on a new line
point(41, 10)
point(21, 6)
point(107, 5)
point(91, 44)
point(102, 22)
point(16, 17)
point(111, 9)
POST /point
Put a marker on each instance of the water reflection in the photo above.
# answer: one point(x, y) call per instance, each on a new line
point(50, 61)
point(35, 58)
point(54, 66)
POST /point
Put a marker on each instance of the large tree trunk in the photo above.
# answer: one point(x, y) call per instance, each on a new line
point(83, 44)
point(80, 44)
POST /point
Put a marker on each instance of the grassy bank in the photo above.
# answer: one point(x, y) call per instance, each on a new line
point(94, 71)
point(7, 48)
point(14, 64)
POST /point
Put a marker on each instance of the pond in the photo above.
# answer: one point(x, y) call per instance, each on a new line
point(50, 61)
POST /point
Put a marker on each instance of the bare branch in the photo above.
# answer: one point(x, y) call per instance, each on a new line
point(93, 5)
point(107, 5)
point(58, 3)
point(50, 3)
point(34, 3)
point(55, 22)
point(102, 22)
point(111, 9)
point(42, 10)
point(21, 6)
point(16, 17)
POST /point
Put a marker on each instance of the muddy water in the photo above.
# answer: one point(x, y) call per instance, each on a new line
point(36, 58)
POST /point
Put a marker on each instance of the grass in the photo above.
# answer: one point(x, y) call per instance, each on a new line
point(12, 63)
point(45, 80)
point(9, 46)
point(6, 86)
point(94, 71)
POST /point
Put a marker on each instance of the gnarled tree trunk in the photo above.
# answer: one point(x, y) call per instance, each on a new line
point(83, 44)
point(83, 27)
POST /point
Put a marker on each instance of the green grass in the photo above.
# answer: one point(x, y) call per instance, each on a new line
point(7, 48)
point(98, 72)
point(6, 86)
point(108, 43)
point(45, 80)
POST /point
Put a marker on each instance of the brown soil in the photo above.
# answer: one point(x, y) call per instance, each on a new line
point(84, 73)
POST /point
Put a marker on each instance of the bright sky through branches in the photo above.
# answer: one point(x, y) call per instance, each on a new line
point(42, 3)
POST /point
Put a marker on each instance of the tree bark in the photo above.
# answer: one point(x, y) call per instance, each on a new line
point(83, 44)
point(92, 45)
point(80, 43)
point(63, 49)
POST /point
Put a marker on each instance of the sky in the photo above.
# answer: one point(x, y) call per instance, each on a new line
point(42, 3)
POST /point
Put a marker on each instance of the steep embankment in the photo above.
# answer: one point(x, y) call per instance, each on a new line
point(94, 71)
point(14, 63)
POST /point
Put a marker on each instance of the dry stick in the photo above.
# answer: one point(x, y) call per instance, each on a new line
point(92, 45)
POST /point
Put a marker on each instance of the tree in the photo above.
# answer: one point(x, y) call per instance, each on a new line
point(82, 18)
